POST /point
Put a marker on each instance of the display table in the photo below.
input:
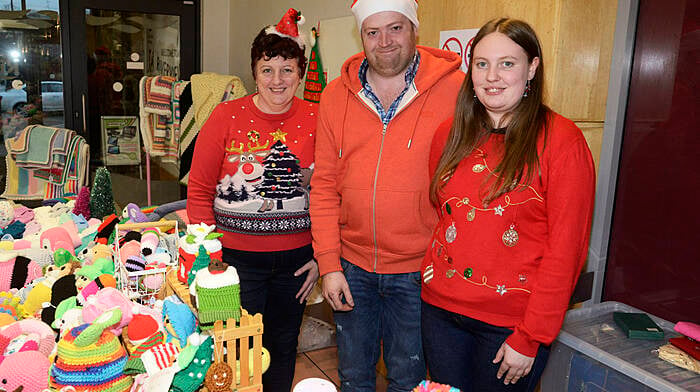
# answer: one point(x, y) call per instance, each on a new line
point(592, 353)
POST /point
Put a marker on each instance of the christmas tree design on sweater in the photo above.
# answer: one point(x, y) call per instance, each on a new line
point(267, 195)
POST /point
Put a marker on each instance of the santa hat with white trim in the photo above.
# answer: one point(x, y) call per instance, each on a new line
point(365, 8)
point(288, 27)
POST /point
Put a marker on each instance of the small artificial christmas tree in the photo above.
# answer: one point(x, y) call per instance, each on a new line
point(282, 175)
point(82, 203)
point(101, 197)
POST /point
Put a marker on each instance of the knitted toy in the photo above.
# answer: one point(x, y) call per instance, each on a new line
point(191, 377)
point(68, 315)
point(134, 213)
point(141, 328)
point(63, 288)
point(41, 291)
point(179, 322)
point(92, 288)
point(429, 386)
point(88, 273)
point(26, 370)
point(16, 271)
point(216, 293)
point(57, 237)
point(90, 358)
point(199, 234)
point(105, 299)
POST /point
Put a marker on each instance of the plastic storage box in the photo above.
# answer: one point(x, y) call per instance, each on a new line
point(592, 353)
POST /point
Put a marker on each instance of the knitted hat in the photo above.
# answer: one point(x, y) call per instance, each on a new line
point(91, 358)
point(129, 249)
point(365, 8)
point(181, 319)
point(105, 300)
point(149, 241)
point(141, 327)
point(288, 26)
point(135, 263)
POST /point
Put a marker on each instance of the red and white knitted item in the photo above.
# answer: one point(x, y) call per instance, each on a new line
point(159, 357)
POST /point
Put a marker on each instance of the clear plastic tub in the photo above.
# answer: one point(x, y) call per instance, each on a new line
point(591, 353)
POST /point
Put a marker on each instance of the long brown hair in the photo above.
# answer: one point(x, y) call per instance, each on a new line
point(472, 124)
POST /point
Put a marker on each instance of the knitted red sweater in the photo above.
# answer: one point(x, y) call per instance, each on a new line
point(514, 262)
point(250, 174)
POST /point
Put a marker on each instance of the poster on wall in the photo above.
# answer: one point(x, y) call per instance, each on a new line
point(120, 140)
point(460, 42)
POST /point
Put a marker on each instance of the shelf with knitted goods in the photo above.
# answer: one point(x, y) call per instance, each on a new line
point(143, 256)
point(232, 335)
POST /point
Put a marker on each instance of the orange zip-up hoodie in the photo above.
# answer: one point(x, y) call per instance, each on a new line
point(369, 191)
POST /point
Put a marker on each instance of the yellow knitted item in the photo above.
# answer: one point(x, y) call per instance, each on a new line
point(208, 89)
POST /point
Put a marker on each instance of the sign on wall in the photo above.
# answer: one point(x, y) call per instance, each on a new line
point(460, 42)
point(120, 140)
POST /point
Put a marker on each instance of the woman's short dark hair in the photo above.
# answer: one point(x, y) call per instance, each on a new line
point(271, 45)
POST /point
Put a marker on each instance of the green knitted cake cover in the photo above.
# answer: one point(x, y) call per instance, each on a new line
point(218, 304)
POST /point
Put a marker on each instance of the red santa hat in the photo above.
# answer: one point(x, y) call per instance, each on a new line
point(365, 8)
point(288, 26)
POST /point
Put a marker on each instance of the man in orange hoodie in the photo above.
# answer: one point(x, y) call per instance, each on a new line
point(370, 211)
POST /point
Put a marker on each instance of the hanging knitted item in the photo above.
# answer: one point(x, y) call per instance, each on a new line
point(217, 294)
point(220, 376)
point(101, 197)
point(315, 78)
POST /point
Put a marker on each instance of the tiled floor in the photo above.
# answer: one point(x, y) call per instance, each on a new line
point(324, 364)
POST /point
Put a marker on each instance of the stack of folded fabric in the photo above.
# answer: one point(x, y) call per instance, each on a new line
point(45, 162)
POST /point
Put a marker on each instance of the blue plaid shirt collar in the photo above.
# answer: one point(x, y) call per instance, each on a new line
point(410, 75)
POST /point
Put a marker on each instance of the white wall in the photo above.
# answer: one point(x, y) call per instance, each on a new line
point(216, 35)
point(248, 17)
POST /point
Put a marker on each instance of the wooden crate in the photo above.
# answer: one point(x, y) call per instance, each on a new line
point(235, 337)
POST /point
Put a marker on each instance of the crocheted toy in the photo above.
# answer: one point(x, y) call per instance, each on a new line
point(200, 262)
point(68, 315)
point(26, 370)
point(179, 322)
point(63, 288)
point(57, 237)
point(429, 386)
point(199, 234)
point(134, 213)
point(16, 271)
point(105, 299)
point(141, 328)
point(191, 377)
point(90, 358)
point(88, 273)
point(92, 288)
point(216, 292)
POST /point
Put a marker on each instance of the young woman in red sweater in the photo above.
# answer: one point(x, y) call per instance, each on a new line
point(250, 175)
point(514, 184)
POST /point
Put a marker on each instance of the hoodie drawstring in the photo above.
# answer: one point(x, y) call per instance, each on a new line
point(342, 124)
point(415, 123)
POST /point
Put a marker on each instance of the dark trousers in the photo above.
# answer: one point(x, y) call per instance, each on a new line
point(268, 286)
point(459, 351)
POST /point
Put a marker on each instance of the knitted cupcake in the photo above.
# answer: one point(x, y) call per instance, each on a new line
point(91, 359)
point(216, 291)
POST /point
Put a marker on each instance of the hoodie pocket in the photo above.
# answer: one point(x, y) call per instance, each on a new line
point(355, 217)
point(402, 228)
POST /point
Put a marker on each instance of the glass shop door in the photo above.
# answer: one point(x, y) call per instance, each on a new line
point(113, 44)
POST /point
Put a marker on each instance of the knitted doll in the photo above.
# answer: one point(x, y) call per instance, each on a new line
point(179, 322)
point(216, 292)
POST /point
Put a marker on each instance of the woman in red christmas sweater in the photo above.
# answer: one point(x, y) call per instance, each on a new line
point(514, 183)
point(250, 174)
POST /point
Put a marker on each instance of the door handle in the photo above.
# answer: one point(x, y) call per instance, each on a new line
point(84, 119)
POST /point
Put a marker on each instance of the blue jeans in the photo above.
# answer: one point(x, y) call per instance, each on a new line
point(387, 309)
point(268, 286)
point(459, 351)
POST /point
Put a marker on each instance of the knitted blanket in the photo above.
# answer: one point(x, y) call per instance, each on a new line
point(208, 90)
point(38, 145)
point(156, 117)
point(30, 184)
